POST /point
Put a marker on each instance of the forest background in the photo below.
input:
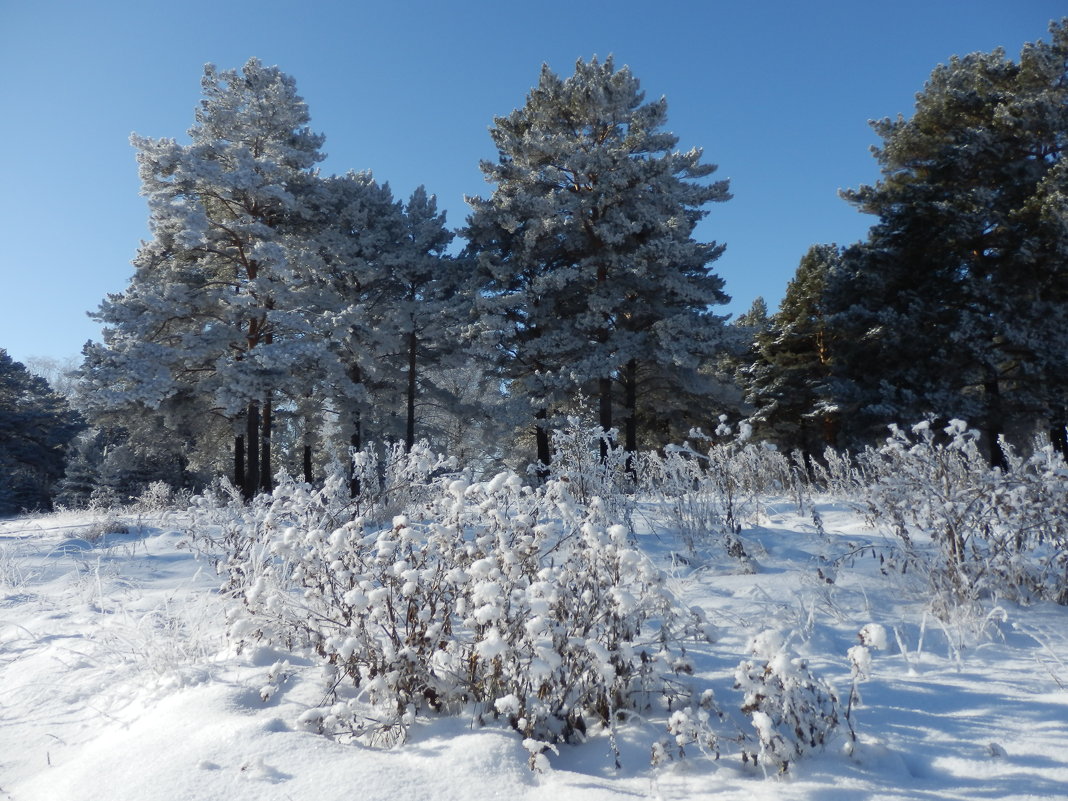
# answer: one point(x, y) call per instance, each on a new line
point(226, 342)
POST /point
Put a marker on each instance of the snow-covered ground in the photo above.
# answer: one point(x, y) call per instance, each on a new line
point(117, 682)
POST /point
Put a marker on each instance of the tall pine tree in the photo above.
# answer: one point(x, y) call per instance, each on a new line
point(789, 381)
point(589, 273)
point(211, 308)
point(957, 305)
point(36, 428)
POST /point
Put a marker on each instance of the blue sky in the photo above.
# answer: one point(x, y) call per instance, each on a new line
point(777, 93)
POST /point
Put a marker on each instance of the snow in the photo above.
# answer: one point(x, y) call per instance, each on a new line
point(117, 682)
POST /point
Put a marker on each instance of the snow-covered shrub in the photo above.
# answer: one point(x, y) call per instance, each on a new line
point(159, 496)
point(231, 533)
point(587, 459)
point(709, 495)
point(104, 524)
point(13, 571)
point(227, 529)
point(392, 479)
point(870, 636)
point(689, 726)
point(793, 711)
point(996, 532)
point(837, 474)
point(510, 602)
point(693, 506)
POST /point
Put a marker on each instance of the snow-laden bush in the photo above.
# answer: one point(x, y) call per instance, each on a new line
point(996, 532)
point(792, 710)
point(159, 496)
point(709, 495)
point(587, 459)
point(690, 727)
point(837, 474)
point(871, 635)
point(393, 480)
point(493, 597)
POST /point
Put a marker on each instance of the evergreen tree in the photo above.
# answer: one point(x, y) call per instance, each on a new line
point(426, 305)
point(270, 300)
point(36, 428)
point(360, 229)
point(755, 320)
point(213, 306)
point(739, 360)
point(957, 305)
point(788, 383)
point(588, 271)
point(82, 474)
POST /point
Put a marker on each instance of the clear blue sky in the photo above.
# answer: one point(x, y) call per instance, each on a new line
point(777, 93)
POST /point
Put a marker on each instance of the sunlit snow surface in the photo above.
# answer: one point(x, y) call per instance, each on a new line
point(117, 682)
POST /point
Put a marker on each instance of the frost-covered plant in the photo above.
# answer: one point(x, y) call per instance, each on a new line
point(103, 525)
point(231, 534)
point(159, 496)
point(792, 710)
point(392, 479)
point(587, 459)
point(837, 473)
point(515, 603)
point(687, 727)
point(227, 529)
point(871, 635)
point(13, 571)
point(169, 640)
point(692, 505)
point(996, 531)
point(711, 494)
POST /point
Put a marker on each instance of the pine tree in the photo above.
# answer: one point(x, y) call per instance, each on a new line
point(588, 270)
point(426, 306)
point(755, 319)
point(360, 229)
point(212, 307)
point(36, 428)
point(956, 304)
point(789, 381)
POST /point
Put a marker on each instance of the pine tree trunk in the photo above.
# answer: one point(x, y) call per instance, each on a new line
point(355, 444)
point(266, 476)
point(356, 438)
point(804, 438)
point(630, 425)
point(252, 442)
point(604, 391)
point(630, 401)
point(830, 431)
point(239, 463)
point(409, 431)
point(995, 422)
point(307, 464)
point(1058, 429)
point(541, 436)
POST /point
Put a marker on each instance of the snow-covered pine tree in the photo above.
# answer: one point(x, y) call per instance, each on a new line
point(957, 305)
point(213, 307)
point(755, 320)
point(36, 428)
point(429, 304)
point(588, 267)
point(359, 229)
point(788, 383)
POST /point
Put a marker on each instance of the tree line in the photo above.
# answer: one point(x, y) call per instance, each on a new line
point(279, 318)
point(956, 304)
point(272, 299)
